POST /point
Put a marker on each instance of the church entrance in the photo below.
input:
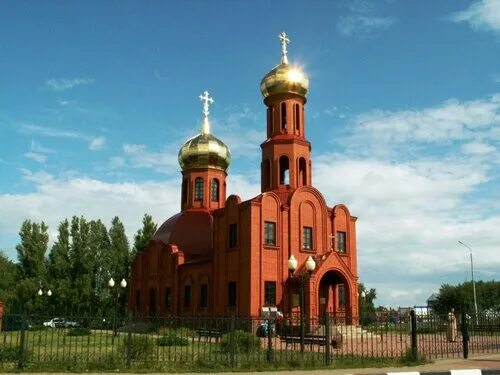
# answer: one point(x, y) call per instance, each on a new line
point(334, 297)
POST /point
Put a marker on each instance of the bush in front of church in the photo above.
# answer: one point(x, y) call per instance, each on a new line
point(242, 342)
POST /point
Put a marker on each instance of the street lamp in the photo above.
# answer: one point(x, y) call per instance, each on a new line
point(292, 267)
point(472, 277)
point(123, 285)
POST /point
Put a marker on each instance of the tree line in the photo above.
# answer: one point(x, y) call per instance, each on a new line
point(76, 269)
point(461, 297)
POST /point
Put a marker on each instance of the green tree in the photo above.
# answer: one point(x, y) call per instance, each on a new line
point(59, 267)
point(366, 304)
point(461, 296)
point(118, 263)
point(31, 266)
point(144, 235)
point(8, 270)
point(99, 246)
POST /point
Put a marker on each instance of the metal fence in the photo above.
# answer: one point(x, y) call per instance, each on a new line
point(183, 343)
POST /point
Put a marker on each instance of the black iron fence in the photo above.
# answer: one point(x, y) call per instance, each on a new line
point(190, 343)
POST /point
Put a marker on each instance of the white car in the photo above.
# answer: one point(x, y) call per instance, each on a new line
point(60, 323)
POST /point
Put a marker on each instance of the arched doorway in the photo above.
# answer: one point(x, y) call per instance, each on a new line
point(334, 297)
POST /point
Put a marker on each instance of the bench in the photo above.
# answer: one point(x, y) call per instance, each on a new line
point(311, 340)
point(209, 333)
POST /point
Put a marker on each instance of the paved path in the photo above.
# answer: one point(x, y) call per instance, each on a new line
point(487, 361)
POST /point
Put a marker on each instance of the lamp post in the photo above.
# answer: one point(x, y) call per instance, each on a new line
point(292, 267)
point(123, 285)
point(40, 292)
point(472, 277)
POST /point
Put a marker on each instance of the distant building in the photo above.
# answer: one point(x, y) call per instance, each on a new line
point(220, 255)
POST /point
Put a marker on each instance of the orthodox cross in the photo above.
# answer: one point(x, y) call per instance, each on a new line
point(207, 100)
point(284, 41)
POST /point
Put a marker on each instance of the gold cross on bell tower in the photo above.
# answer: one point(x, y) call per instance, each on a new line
point(207, 100)
point(284, 41)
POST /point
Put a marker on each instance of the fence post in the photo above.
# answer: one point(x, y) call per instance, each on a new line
point(414, 348)
point(327, 342)
point(129, 338)
point(232, 324)
point(269, 340)
point(465, 334)
point(22, 343)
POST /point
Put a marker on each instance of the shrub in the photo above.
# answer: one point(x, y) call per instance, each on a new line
point(172, 340)
point(244, 342)
point(141, 348)
point(78, 332)
point(10, 353)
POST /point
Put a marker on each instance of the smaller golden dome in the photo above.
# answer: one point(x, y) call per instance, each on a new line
point(204, 151)
point(284, 78)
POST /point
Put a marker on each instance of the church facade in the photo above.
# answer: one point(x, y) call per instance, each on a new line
point(220, 255)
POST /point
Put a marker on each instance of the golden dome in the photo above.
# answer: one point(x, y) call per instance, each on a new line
point(284, 78)
point(204, 151)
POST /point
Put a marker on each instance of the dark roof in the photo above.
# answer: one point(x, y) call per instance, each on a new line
point(191, 231)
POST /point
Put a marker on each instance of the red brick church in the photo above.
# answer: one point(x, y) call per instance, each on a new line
point(220, 255)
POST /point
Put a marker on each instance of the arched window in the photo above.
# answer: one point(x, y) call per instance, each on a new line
point(266, 174)
point(184, 191)
point(284, 171)
point(198, 189)
point(302, 172)
point(283, 116)
point(297, 117)
point(269, 123)
point(214, 192)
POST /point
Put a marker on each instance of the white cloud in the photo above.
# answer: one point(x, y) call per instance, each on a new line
point(97, 143)
point(452, 120)
point(41, 158)
point(362, 20)
point(361, 24)
point(62, 84)
point(138, 156)
point(481, 14)
point(478, 148)
point(55, 199)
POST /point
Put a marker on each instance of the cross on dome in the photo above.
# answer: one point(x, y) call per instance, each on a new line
point(284, 41)
point(207, 100)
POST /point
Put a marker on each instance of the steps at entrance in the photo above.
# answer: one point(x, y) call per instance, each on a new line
point(347, 331)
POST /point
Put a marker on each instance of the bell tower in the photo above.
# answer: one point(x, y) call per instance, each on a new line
point(286, 153)
point(204, 160)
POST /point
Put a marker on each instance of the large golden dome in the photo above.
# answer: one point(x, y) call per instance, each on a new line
point(284, 78)
point(204, 151)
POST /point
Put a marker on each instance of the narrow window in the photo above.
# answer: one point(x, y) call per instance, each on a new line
point(283, 116)
point(270, 233)
point(284, 171)
point(341, 245)
point(204, 295)
point(297, 117)
point(266, 174)
point(168, 298)
point(307, 238)
point(137, 299)
point(269, 122)
point(184, 191)
point(302, 172)
point(215, 190)
point(187, 295)
point(198, 189)
point(231, 294)
point(342, 296)
point(152, 302)
point(233, 235)
point(270, 292)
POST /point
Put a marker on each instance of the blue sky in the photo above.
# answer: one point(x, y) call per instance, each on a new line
point(403, 114)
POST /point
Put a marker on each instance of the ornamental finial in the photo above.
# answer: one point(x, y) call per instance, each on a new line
point(284, 41)
point(207, 100)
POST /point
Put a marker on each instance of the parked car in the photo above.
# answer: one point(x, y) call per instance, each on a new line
point(60, 323)
point(15, 323)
